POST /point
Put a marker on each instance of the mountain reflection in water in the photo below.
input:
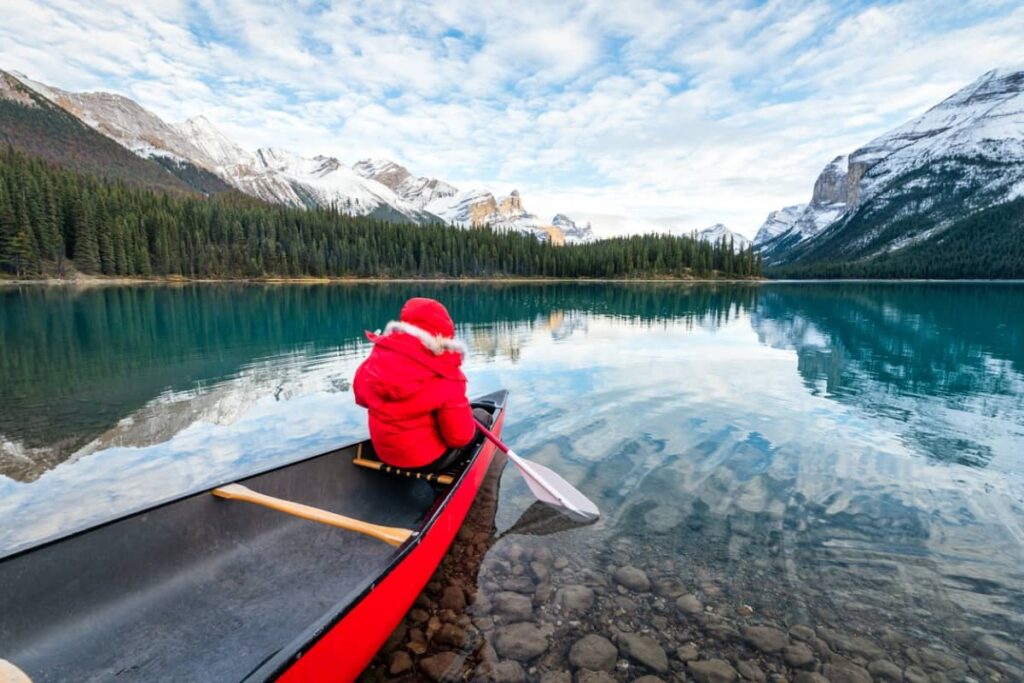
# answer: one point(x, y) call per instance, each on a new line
point(847, 454)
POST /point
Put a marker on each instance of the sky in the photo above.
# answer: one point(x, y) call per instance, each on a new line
point(633, 115)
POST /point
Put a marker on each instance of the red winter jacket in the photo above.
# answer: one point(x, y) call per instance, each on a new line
point(414, 388)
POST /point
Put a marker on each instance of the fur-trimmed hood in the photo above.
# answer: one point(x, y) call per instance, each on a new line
point(441, 355)
point(434, 343)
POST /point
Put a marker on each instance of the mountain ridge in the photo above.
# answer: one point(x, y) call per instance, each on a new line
point(197, 149)
point(910, 185)
point(34, 124)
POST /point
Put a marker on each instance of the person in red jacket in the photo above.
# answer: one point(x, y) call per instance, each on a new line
point(413, 386)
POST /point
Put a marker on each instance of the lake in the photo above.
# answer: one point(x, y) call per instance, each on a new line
point(794, 477)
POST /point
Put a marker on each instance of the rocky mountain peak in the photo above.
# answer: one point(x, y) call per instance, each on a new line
point(12, 90)
point(831, 185)
point(512, 205)
point(718, 231)
point(373, 186)
point(213, 143)
point(956, 158)
point(778, 222)
point(384, 171)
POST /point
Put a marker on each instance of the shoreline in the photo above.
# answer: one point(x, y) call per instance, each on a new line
point(99, 281)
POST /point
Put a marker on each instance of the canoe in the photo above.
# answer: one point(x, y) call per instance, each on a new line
point(202, 588)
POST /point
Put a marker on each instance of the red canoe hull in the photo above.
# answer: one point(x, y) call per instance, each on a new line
point(343, 652)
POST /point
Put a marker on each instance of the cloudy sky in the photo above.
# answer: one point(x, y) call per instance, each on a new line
point(630, 113)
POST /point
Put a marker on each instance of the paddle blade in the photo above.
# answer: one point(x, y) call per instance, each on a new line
point(550, 488)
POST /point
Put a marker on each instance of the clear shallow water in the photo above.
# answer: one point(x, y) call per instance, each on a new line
point(848, 457)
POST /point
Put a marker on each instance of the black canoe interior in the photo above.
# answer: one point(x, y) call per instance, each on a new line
point(202, 588)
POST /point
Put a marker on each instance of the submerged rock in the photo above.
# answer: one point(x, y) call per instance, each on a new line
point(668, 588)
point(513, 606)
point(451, 635)
point(687, 652)
point(556, 677)
point(645, 650)
point(939, 661)
point(851, 644)
point(632, 578)
point(712, 671)
point(798, 655)
point(595, 677)
point(750, 671)
point(508, 671)
point(847, 672)
point(441, 667)
point(801, 632)
point(885, 670)
point(809, 677)
point(453, 598)
point(399, 663)
point(765, 638)
point(594, 652)
point(913, 674)
point(574, 598)
point(521, 641)
point(689, 604)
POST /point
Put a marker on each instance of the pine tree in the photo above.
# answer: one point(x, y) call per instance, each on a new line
point(87, 251)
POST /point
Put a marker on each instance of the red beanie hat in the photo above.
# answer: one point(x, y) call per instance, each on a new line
point(429, 315)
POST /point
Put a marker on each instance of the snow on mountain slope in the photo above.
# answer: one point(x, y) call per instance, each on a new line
point(962, 155)
point(477, 207)
point(574, 233)
point(213, 144)
point(280, 176)
point(467, 208)
point(985, 119)
point(11, 89)
point(122, 119)
point(778, 222)
point(418, 191)
point(325, 181)
point(378, 187)
point(716, 232)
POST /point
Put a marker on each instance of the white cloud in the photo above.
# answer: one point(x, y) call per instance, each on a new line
point(673, 113)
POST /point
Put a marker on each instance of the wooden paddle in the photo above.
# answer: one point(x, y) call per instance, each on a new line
point(390, 535)
point(547, 485)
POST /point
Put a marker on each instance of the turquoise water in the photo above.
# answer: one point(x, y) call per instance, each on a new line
point(848, 456)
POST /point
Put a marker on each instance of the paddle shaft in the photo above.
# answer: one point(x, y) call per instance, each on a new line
point(390, 535)
point(491, 436)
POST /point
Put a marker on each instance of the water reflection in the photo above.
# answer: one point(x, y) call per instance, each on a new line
point(841, 456)
point(939, 363)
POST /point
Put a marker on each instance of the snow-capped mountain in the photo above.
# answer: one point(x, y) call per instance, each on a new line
point(574, 233)
point(377, 187)
point(269, 174)
point(471, 208)
point(122, 119)
point(222, 153)
point(418, 191)
point(716, 232)
point(907, 186)
point(477, 207)
point(778, 222)
point(788, 227)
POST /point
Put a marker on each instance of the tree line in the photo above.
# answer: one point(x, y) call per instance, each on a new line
point(54, 220)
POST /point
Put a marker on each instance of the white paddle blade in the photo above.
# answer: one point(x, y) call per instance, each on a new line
point(550, 488)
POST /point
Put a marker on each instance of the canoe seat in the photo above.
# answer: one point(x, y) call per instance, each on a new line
point(365, 457)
